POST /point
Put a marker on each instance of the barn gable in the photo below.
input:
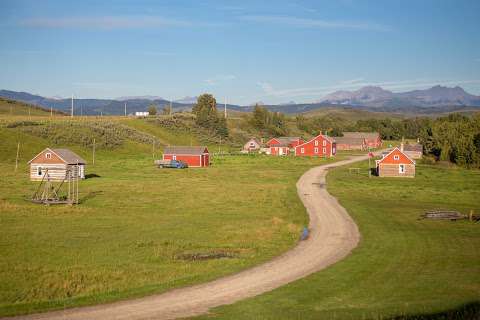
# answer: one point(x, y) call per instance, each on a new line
point(396, 156)
point(65, 156)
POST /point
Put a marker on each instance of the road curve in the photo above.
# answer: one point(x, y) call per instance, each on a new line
point(333, 234)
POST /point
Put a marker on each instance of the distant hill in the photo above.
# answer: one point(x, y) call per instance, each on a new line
point(376, 97)
point(17, 108)
point(437, 99)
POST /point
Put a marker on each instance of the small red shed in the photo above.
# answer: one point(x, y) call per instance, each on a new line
point(320, 146)
point(280, 149)
point(195, 156)
point(396, 164)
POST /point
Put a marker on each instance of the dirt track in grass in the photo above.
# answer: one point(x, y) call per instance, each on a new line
point(333, 235)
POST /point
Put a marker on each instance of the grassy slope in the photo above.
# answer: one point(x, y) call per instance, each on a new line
point(135, 219)
point(16, 108)
point(403, 266)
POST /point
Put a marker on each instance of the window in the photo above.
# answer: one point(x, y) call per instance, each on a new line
point(316, 150)
point(48, 155)
point(39, 171)
point(324, 150)
point(401, 168)
point(396, 157)
point(324, 143)
point(174, 157)
point(316, 142)
point(302, 150)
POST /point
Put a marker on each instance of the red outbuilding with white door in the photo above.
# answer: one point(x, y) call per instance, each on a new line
point(320, 146)
point(196, 156)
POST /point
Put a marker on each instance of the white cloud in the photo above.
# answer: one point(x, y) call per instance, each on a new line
point(219, 79)
point(105, 22)
point(313, 23)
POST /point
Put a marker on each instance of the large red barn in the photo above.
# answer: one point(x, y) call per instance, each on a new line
point(320, 146)
point(196, 156)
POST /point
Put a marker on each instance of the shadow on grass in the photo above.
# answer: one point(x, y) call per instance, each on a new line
point(91, 175)
point(469, 311)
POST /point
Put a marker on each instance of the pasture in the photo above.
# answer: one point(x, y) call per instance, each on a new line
point(138, 229)
point(404, 268)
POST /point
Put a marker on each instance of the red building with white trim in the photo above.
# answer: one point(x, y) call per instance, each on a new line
point(319, 146)
point(196, 156)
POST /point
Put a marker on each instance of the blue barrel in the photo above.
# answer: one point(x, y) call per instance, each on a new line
point(305, 234)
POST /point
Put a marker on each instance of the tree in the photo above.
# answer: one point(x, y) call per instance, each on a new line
point(152, 109)
point(207, 116)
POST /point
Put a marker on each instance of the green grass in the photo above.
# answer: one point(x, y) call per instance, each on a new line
point(17, 108)
point(403, 267)
point(135, 221)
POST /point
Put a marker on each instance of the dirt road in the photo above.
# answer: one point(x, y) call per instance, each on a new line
point(333, 234)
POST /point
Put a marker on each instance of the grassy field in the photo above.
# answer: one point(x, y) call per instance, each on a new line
point(137, 226)
point(403, 267)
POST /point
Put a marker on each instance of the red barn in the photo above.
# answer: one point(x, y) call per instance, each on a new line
point(280, 149)
point(372, 139)
point(290, 142)
point(197, 156)
point(396, 164)
point(320, 146)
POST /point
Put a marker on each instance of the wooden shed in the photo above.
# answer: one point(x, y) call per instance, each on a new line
point(57, 162)
point(194, 156)
point(252, 145)
point(396, 164)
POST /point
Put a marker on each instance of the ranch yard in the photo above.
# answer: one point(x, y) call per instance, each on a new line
point(139, 229)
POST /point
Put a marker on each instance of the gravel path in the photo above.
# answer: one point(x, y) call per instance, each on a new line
point(333, 234)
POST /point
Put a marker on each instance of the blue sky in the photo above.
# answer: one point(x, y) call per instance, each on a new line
point(248, 51)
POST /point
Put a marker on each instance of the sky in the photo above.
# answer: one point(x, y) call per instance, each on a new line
point(243, 51)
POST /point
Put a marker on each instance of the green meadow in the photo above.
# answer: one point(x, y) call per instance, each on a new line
point(138, 228)
point(404, 268)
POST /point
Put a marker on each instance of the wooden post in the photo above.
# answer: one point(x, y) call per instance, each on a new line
point(369, 170)
point(93, 156)
point(470, 215)
point(153, 149)
point(16, 159)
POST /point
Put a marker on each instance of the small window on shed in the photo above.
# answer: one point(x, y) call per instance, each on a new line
point(39, 171)
point(401, 168)
point(396, 157)
point(48, 155)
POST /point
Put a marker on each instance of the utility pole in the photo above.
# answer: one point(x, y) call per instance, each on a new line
point(51, 112)
point(369, 170)
point(125, 109)
point(93, 157)
point(171, 108)
point(71, 111)
point(225, 112)
point(16, 159)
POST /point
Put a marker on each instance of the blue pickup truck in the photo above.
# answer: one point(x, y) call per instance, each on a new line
point(175, 164)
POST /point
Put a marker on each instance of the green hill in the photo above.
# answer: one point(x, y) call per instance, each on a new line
point(17, 108)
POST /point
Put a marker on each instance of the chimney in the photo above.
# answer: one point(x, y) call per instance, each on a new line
point(401, 146)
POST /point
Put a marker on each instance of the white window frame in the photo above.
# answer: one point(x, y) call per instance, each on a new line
point(39, 171)
point(174, 157)
point(302, 150)
point(396, 157)
point(402, 168)
point(324, 150)
point(48, 155)
point(316, 142)
point(324, 143)
point(315, 150)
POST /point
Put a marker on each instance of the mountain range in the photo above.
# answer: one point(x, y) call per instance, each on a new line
point(435, 99)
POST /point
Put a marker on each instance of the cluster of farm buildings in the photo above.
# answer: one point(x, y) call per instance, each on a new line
point(399, 162)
